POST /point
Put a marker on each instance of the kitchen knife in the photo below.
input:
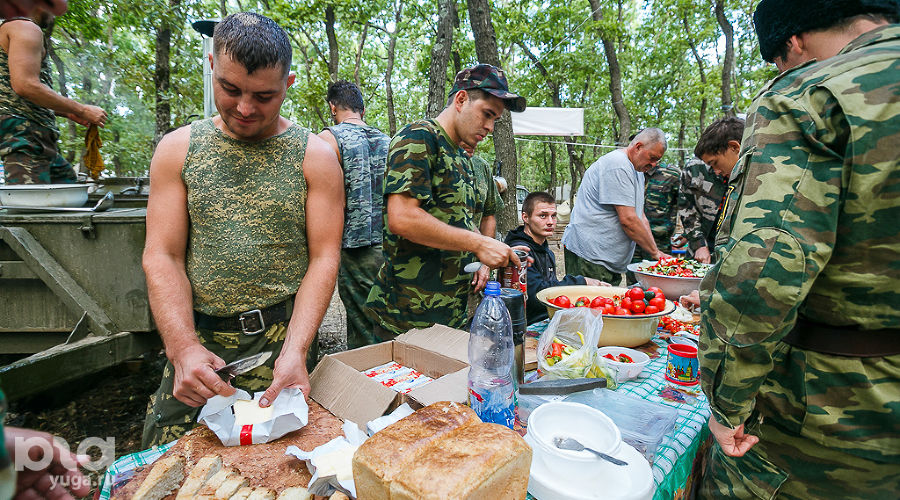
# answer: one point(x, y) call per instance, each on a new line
point(561, 386)
point(242, 366)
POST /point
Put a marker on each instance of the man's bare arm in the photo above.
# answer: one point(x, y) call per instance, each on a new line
point(638, 229)
point(407, 219)
point(25, 45)
point(324, 228)
point(328, 137)
point(167, 283)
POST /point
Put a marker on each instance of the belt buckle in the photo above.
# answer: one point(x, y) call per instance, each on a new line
point(248, 318)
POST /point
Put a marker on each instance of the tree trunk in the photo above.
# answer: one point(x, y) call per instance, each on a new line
point(681, 153)
point(440, 55)
point(388, 72)
point(728, 108)
point(333, 49)
point(701, 68)
point(359, 51)
point(315, 107)
point(161, 80)
point(615, 78)
point(553, 181)
point(504, 143)
point(223, 8)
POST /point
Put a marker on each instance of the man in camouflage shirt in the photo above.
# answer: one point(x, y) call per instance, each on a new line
point(699, 198)
point(430, 205)
point(29, 105)
point(801, 315)
point(362, 151)
point(660, 207)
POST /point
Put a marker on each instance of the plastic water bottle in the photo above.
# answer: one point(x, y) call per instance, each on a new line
point(491, 355)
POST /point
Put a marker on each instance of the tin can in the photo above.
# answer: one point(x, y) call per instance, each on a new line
point(516, 277)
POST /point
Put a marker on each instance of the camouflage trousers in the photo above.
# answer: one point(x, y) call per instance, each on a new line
point(359, 266)
point(785, 465)
point(575, 265)
point(168, 419)
point(30, 154)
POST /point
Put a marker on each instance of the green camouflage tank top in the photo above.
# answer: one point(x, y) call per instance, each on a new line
point(247, 206)
point(11, 103)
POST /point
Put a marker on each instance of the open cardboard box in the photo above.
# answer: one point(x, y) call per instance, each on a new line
point(441, 352)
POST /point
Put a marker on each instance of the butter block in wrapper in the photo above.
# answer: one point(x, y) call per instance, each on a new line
point(236, 422)
point(332, 463)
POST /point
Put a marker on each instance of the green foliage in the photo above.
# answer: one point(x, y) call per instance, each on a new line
point(108, 52)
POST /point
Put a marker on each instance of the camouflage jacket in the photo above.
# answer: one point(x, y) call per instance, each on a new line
point(12, 104)
point(363, 155)
point(699, 198)
point(660, 202)
point(485, 190)
point(419, 286)
point(247, 240)
point(813, 233)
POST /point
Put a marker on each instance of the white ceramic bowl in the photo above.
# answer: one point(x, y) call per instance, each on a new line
point(629, 331)
point(672, 286)
point(562, 474)
point(624, 371)
point(44, 195)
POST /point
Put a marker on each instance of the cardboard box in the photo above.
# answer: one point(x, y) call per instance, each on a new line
point(440, 352)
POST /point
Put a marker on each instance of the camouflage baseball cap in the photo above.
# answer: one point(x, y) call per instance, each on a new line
point(490, 79)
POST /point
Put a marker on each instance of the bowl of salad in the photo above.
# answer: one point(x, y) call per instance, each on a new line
point(674, 276)
point(625, 363)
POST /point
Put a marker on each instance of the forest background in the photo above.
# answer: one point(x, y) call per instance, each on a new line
point(673, 64)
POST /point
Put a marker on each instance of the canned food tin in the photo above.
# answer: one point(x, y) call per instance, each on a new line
point(516, 277)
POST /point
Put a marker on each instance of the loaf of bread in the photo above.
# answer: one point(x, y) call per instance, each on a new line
point(445, 452)
point(389, 451)
point(164, 478)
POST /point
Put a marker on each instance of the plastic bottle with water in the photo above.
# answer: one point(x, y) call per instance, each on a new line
point(491, 356)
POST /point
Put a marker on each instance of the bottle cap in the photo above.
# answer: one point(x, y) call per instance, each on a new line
point(492, 289)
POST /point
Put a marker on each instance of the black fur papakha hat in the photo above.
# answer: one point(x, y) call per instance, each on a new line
point(777, 20)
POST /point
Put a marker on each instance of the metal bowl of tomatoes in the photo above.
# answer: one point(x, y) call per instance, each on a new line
point(673, 286)
point(620, 327)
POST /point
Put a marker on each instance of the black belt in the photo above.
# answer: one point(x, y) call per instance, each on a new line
point(843, 340)
point(251, 322)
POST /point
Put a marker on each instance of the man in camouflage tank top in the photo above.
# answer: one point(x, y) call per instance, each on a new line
point(244, 218)
point(362, 151)
point(29, 105)
point(799, 356)
point(430, 232)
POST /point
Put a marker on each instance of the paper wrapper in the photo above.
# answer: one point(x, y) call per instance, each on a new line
point(331, 464)
point(289, 413)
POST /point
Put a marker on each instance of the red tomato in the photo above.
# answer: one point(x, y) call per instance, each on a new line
point(638, 306)
point(608, 300)
point(597, 302)
point(609, 309)
point(626, 303)
point(651, 309)
point(636, 293)
point(621, 311)
point(563, 301)
point(657, 292)
point(586, 302)
point(654, 289)
point(658, 302)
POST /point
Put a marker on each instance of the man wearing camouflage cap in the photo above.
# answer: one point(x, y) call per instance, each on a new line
point(800, 358)
point(430, 232)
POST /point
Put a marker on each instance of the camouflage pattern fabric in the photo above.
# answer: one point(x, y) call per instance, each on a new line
point(359, 267)
point(364, 152)
point(485, 190)
point(247, 243)
point(169, 419)
point(419, 286)
point(29, 153)
point(14, 105)
point(576, 266)
point(813, 233)
point(699, 198)
point(660, 207)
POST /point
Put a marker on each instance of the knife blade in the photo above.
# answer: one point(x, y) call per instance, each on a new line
point(241, 366)
point(561, 386)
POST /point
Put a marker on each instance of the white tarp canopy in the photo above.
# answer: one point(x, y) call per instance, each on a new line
point(548, 121)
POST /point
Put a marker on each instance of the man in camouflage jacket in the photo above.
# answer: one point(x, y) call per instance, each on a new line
point(801, 315)
point(431, 199)
point(699, 198)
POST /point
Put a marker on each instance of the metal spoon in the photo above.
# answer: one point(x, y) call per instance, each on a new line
point(102, 205)
point(573, 445)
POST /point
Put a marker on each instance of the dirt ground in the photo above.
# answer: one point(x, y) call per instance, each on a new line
point(112, 403)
